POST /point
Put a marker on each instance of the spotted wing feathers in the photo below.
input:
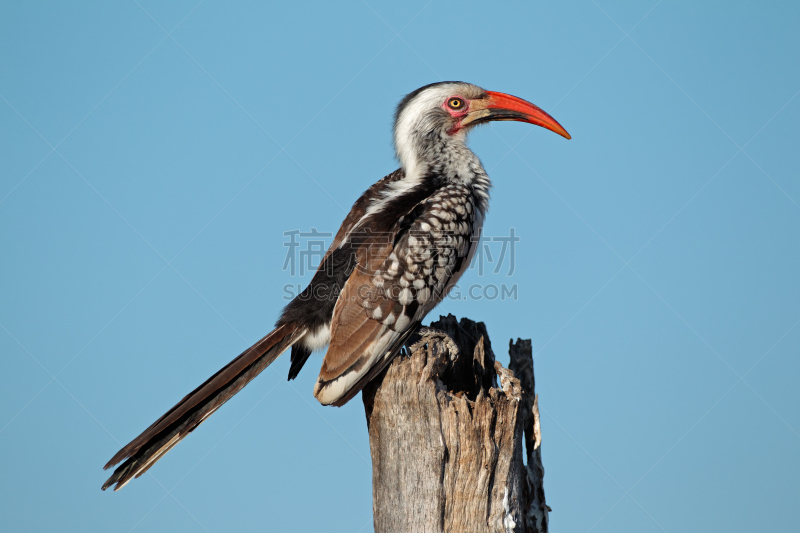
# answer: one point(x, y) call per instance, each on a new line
point(399, 277)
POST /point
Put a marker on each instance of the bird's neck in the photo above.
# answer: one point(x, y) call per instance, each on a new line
point(446, 157)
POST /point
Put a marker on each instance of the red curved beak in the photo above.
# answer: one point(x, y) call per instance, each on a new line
point(501, 106)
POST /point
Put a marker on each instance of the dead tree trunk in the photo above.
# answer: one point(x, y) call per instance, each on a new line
point(447, 441)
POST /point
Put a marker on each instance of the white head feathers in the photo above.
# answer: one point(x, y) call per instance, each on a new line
point(420, 120)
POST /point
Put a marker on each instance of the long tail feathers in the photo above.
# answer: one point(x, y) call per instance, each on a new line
point(143, 451)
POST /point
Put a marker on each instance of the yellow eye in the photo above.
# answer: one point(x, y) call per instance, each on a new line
point(455, 103)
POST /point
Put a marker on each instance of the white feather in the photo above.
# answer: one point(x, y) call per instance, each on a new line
point(319, 339)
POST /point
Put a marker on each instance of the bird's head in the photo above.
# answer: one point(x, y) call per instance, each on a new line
point(442, 113)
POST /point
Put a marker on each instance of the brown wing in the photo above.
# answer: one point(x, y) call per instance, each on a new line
point(400, 276)
point(360, 206)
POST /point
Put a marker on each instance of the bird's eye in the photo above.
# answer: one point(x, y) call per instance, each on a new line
point(455, 103)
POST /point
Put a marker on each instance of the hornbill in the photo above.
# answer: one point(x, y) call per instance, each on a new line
point(405, 243)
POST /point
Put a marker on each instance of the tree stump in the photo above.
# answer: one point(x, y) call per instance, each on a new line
point(448, 429)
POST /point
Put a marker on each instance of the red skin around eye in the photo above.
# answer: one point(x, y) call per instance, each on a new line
point(455, 113)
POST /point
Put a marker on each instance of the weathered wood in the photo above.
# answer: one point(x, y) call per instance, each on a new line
point(521, 364)
point(447, 441)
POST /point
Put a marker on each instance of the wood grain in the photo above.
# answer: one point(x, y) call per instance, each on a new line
point(450, 432)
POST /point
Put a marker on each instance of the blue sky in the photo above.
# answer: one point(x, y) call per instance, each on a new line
point(153, 155)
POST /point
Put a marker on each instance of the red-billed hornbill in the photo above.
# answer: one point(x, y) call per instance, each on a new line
point(404, 244)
